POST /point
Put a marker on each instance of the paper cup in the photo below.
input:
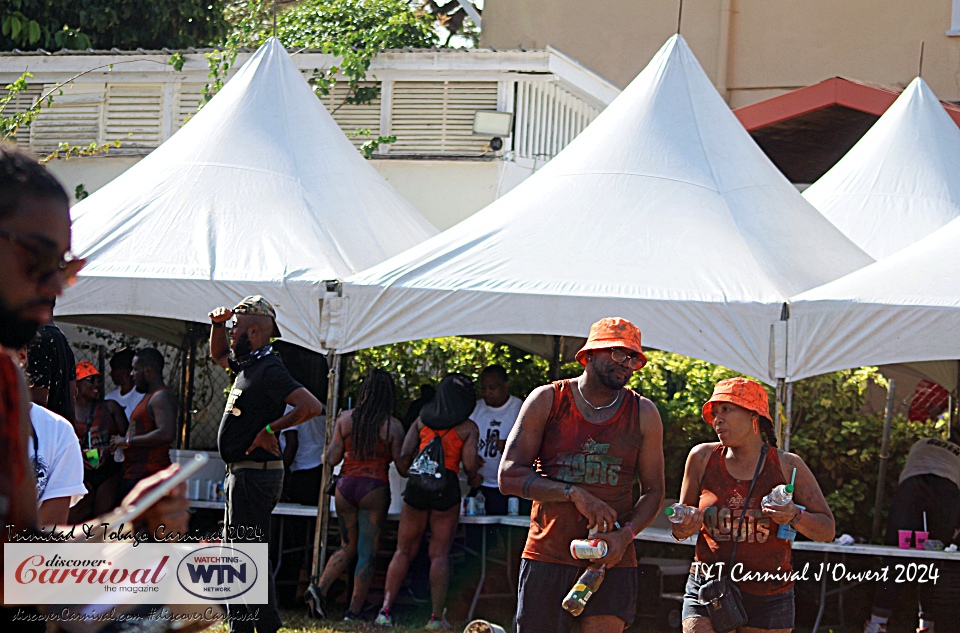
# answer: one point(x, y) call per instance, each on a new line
point(906, 536)
point(482, 626)
point(921, 538)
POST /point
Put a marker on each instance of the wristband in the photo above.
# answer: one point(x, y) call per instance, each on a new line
point(566, 491)
point(219, 325)
point(629, 526)
point(269, 430)
point(796, 519)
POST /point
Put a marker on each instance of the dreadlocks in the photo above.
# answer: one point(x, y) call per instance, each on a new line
point(766, 430)
point(374, 405)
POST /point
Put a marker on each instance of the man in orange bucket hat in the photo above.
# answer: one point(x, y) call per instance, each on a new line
point(589, 436)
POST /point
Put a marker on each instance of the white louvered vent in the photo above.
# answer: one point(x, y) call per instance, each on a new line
point(74, 117)
point(187, 99)
point(22, 102)
point(548, 118)
point(436, 117)
point(134, 114)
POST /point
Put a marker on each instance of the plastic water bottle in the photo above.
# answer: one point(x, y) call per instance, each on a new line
point(481, 504)
point(586, 586)
point(779, 496)
point(678, 512)
point(118, 455)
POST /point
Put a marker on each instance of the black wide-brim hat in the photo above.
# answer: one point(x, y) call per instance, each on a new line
point(454, 402)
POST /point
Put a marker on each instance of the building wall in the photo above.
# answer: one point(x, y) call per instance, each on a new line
point(751, 49)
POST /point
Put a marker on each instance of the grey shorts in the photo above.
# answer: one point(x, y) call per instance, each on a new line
point(775, 611)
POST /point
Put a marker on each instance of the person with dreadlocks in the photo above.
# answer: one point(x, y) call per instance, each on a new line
point(367, 439)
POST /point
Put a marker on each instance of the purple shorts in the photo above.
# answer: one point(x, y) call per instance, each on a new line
point(353, 489)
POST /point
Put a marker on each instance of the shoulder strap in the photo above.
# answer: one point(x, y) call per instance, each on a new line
point(746, 504)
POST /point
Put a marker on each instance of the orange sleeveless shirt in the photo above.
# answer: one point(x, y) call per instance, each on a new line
point(760, 550)
point(600, 458)
point(375, 467)
point(452, 446)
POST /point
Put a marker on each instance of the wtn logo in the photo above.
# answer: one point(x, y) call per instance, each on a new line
point(217, 573)
point(226, 572)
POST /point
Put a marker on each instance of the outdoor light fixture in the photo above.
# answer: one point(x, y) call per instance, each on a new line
point(493, 123)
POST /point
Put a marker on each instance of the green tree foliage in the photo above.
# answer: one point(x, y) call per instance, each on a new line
point(80, 24)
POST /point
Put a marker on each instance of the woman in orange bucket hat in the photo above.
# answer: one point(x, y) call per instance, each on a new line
point(717, 481)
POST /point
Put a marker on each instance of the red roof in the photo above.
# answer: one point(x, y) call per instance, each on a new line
point(857, 95)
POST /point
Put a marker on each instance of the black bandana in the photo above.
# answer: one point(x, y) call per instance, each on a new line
point(238, 364)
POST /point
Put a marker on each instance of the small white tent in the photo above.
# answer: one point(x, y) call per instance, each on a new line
point(900, 182)
point(903, 308)
point(663, 211)
point(259, 193)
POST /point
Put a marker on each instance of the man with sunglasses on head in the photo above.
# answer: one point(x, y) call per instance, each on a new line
point(575, 450)
point(36, 266)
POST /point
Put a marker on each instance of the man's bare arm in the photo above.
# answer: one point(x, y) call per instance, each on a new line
point(219, 340)
point(649, 467)
point(517, 476)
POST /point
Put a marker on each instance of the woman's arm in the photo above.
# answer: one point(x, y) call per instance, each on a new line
point(334, 452)
point(816, 522)
point(468, 456)
point(395, 438)
point(409, 449)
point(690, 490)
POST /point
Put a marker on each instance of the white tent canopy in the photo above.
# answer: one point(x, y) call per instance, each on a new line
point(901, 181)
point(903, 308)
point(259, 193)
point(663, 211)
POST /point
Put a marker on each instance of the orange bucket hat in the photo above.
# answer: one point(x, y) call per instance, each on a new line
point(85, 369)
point(742, 392)
point(612, 332)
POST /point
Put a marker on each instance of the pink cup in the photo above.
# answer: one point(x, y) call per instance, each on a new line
point(906, 536)
point(922, 539)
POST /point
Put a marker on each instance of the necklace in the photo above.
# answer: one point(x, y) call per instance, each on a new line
point(593, 406)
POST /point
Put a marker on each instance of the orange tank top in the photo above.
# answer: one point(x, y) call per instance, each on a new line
point(600, 458)
point(760, 550)
point(452, 446)
point(376, 466)
point(143, 462)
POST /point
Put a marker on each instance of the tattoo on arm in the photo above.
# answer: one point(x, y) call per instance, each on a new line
point(527, 483)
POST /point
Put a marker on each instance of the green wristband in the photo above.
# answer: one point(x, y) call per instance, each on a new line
point(269, 430)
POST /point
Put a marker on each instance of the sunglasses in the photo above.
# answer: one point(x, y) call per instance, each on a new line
point(633, 361)
point(44, 261)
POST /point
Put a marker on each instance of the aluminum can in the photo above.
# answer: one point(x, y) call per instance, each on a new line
point(513, 506)
point(588, 549)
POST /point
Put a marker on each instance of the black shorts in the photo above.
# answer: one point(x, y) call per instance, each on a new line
point(775, 611)
point(445, 499)
point(543, 586)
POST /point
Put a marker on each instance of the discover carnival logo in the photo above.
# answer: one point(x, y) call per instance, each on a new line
point(217, 573)
point(119, 573)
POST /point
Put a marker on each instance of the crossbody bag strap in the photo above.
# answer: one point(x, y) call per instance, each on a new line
point(746, 504)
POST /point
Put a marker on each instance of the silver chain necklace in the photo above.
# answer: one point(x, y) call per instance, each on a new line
point(593, 406)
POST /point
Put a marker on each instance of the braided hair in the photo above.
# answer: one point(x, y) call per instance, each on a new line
point(766, 432)
point(374, 405)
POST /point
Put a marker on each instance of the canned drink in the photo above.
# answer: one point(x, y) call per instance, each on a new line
point(513, 506)
point(588, 549)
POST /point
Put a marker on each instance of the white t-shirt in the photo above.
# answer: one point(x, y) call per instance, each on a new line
point(311, 438)
point(933, 456)
point(495, 425)
point(129, 402)
point(59, 464)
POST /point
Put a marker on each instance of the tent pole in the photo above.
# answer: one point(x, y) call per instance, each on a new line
point(555, 360)
point(335, 362)
point(884, 458)
point(787, 434)
point(778, 410)
point(189, 385)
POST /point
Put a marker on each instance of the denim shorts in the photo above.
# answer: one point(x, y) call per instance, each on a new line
point(774, 611)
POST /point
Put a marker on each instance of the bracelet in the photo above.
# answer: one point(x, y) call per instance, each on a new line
point(269, 430)
point(566, 491)
point(796, 519)
point(629, 526)
point(219, 325)
point(676, 538)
